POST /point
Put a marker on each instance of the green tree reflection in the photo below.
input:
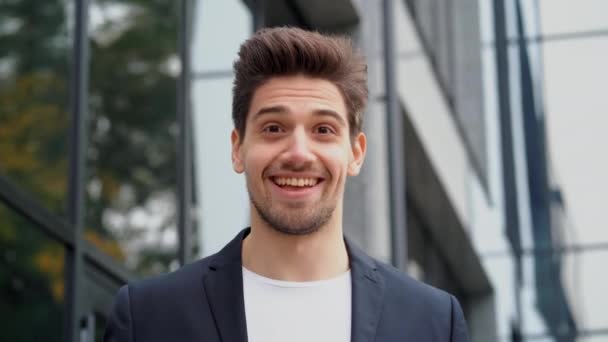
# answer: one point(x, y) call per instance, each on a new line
point(34, 95)
point(31, 282)
point(131, 157)
point(131, 154)
point(34, 98)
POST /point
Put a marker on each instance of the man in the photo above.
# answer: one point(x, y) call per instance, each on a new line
point(298, 100)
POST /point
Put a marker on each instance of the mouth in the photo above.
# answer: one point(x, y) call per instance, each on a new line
point(296, 188)
point(296, 182)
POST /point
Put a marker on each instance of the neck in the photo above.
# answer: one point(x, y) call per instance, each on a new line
point(317, 256)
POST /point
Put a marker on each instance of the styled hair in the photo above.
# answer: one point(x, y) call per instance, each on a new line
point(288, 51)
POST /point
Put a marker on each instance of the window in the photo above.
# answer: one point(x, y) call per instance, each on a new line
point(131, 158)
point(34, 98)
point(31, 281)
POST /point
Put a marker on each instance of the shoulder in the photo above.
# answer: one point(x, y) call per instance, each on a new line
point(170, 291)
point(399, 284)
point(400, 291)
point(184, 286)
point(190, 276)
point(421, 311)
point(174, 294)
point(160, 308)
point(187, 278)
point(412, 297)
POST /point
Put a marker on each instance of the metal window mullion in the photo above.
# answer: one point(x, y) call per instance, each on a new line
point(106, 264)
point(184, 150)
point(259, 14)
point(395, 146)
point(451, 20)
point(212, 75)
point(35, 212)
point(508, 160)
point(78, 148)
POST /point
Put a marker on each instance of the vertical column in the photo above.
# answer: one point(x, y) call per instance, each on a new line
point(508, 161)
point(259, 14)
point(396, 147)
point(184, 143)
point(366, 197)
point(78, 148)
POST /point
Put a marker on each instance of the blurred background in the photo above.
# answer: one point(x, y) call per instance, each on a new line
point(485, 173)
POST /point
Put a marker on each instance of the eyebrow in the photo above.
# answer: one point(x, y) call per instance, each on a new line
point(283, 110)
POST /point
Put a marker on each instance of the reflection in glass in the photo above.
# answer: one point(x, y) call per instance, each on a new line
point(31, 281)
point(34, 92)
point(131, 158)
point(589, 283)
point(100, 326)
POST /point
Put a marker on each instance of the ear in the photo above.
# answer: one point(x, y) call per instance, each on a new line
point(359, 147)
point(237, 161)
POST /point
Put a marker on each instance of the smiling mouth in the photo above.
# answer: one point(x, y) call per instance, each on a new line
point(296, 182)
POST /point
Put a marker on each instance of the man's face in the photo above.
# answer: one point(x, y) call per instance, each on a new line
point(297, 153)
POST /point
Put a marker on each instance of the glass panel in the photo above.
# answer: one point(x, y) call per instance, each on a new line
point(588, 289)
point(576, 104)
point(534, 323)
point(222, 197)
point(584, 15)
point(547, 301)
point(31, 281)
point(211, 53)
point(34, 94)
point(223, 203)
point(131, 181)
point(100, 326)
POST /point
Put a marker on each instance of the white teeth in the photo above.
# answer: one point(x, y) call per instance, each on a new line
point(299, 182)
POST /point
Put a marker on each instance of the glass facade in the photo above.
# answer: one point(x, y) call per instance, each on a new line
point(547, 293)
point(448, 33)
point(221, 197)
point(147, 73)
point(574, 54)
point(34, 98)
point(115, 66)
point(32, 281)
point(131, 158)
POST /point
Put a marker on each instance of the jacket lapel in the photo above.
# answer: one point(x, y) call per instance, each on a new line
point(224, 289)
point(367, 293)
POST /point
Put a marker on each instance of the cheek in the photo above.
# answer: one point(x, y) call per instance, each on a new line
point(256, 160)
point(337, 162)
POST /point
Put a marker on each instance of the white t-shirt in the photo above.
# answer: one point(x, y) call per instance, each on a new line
point(280, 311)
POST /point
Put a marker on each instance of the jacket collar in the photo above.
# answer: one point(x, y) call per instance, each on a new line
point(224, 288)
point(367, 294)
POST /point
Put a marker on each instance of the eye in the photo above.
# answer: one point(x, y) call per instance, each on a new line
point(272, 128)
point(324, 129)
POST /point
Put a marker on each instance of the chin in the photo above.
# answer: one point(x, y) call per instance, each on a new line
point(296, 231)
point(295, 222)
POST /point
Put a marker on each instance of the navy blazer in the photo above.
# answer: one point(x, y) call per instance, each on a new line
point(203, 302)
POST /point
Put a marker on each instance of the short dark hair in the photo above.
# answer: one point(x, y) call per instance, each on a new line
point(287, 51)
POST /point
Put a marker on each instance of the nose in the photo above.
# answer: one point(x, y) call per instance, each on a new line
point(298, 154)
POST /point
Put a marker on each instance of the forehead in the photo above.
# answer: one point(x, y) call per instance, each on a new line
point(298, 93)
